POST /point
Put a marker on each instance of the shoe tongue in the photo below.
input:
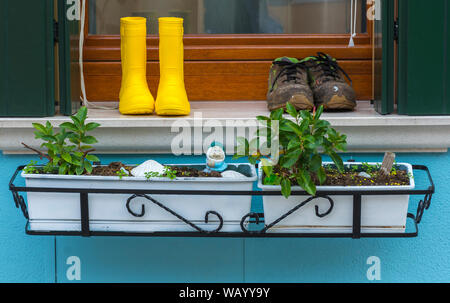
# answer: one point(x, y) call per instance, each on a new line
point(287, 59)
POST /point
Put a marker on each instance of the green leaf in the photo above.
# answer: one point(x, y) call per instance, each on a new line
point(305, 181)
point(41, 128)
point(322, 124)
point(63, 169)
point(341, 146)
point(89, 140)
point(305, 115)
point(272, 180)
point(77, 123)
point(74, 139)
point(92, 158)
point(319, 112)
point(82, 114)
point(277, 114)
point(337, 160)
point(316, 163)
point(67, 157)
point(55, 161)
point(304, 125)
point(290, 109)
point(295, 143)
point(78, 154)
point(69, 126)
point(242, 148)
point(292, 126)
point(38, 135)
point(51, 147)
point(48, 138)
point(267, 167)
point(88, 166)
point(252, 160)
point(79, 170)
point(286, 187)
point(92, 126)
point(262, 118)
point(321, 175)
point(289, 159)
point(253, 146)
point(310, 187)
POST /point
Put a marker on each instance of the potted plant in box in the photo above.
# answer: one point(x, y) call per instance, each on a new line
point(303, 138)
point(70, 165)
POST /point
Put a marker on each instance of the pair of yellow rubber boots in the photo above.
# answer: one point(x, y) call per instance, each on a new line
point(135, 96)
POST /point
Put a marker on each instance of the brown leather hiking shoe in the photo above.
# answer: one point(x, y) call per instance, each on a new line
point(328, 83)
point(288, 82)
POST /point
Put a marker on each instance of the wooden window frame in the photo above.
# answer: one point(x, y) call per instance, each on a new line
point(227, 66)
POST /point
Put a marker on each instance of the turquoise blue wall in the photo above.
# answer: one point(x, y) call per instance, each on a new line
point(43, 259)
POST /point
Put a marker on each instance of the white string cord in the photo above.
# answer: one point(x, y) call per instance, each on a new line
point(83, 96)
point(353, 16)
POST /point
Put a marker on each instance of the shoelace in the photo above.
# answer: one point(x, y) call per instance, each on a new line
point(290, 70)
point(330, 67)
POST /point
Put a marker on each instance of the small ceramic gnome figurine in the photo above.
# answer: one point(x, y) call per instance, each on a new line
point(215, 157)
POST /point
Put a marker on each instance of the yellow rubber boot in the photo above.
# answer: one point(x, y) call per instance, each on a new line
point(135, 96)
point(172, 98)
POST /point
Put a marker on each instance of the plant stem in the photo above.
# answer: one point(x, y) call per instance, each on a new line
point(41, 154)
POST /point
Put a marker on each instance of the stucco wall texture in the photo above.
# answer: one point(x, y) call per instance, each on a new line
point(44, 259)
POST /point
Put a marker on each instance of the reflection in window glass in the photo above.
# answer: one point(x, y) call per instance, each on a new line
point(232, 16)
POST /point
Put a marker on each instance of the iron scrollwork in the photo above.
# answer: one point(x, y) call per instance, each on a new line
point(20, 203)
point(423, 205)
point(268, 226)
point(199, 229)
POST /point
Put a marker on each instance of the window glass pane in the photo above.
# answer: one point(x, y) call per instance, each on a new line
point(233, 16)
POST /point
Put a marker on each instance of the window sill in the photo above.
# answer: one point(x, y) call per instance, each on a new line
point(367, 130)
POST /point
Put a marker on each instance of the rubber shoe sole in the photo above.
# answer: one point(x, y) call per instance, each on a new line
point(300, 102)
point(339, 103)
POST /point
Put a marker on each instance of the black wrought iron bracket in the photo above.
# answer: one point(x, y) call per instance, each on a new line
point(260, 229)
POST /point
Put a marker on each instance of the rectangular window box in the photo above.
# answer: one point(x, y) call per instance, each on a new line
point(379, 213)
point(164, 198)
point(50, 211)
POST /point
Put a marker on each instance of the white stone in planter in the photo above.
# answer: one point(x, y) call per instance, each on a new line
point(108, 212)
point(365, 175)
point(147, 166)
point(379, 214)
point(232, 174)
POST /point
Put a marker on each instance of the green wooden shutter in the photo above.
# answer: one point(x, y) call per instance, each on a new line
point(26, 58)
point(68, 49)
point(423, 57)
point(384, 58)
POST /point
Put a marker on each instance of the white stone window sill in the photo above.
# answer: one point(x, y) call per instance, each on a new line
point(367, 130)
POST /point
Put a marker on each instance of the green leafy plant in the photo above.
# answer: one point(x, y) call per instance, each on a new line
point(67, 150)
point(152, 174)
point(31, 168)
point(168, 173)
point(301, 142)
point(121, 174)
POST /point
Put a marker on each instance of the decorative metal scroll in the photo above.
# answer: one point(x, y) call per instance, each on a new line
point(268, 226)
point(207, 215)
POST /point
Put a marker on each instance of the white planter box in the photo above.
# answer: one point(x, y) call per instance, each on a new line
point(379, 214)
point(108, 212)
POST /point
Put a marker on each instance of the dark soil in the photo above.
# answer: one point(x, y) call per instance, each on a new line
point(110, 170)
point(351, 178)
point(192, 172)
point(113, 168)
